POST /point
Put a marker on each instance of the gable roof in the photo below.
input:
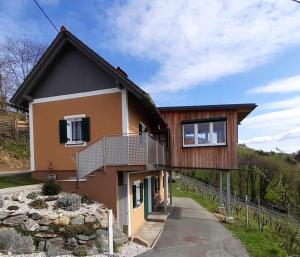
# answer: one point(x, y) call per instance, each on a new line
point(22, 95)
point(243, 110)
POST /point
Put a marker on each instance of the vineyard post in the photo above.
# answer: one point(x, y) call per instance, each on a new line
point(259, 216)
point(247, 212)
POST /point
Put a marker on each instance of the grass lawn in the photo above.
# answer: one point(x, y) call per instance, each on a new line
point(18, 180)
point(259, 244)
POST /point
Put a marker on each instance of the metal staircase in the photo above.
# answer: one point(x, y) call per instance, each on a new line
point(120, 150)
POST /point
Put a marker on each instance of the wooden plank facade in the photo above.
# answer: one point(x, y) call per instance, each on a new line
point(215, 157)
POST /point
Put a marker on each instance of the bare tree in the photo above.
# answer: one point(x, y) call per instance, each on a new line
point(17, 57)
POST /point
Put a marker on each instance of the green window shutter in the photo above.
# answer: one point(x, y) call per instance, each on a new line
point(141, 192)
point(85, 131)
point(63, 131)
point(134, 196)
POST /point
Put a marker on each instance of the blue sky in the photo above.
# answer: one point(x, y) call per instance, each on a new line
point(190, 52)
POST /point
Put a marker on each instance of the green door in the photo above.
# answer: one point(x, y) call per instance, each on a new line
point(146, 208)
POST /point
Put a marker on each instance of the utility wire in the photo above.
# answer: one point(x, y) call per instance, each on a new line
point(296, 1)
point(46, 15)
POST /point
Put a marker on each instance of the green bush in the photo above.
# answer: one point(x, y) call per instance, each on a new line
point(69, 202)
point(80, 251)
point(86, 200)
point(38, 204)
point(73, 230)
point(51, 187)
point(31, 196)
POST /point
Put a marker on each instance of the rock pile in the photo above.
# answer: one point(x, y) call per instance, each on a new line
point(56, 232)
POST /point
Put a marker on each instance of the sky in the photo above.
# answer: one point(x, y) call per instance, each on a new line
point(190, 52)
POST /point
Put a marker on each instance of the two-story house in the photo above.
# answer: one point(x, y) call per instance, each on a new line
point(97, 133)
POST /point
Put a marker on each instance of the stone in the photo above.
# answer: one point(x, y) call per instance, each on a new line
point(41, 246)
point(15, 220)
point(120, 238)
point(31, 225)
point(101, 241)
point(1, 201)
point(81, 242)
point(11, 241)
point(89, 219)
point(92, 250)
point(35, 216)
point(78, 220)
point(55, 247)
point(85, 238)
point(44, 221)
point(53, 216)
point(71, 244)
point(44, 229)
point(62, 221)
point(45, 235)
point(18, 197)
point(3, 215)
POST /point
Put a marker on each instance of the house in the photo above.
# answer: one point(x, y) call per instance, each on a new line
point(98, 133)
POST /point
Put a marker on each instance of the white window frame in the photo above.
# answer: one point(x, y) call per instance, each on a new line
point(69, 119)
point(137, 192)
point(196, 144)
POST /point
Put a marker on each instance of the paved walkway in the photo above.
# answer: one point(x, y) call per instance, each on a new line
point(192, 231)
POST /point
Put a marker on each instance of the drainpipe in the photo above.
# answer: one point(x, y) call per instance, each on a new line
point(229, 218)
point(166, 191)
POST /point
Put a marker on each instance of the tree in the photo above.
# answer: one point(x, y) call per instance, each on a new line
point(17, 57)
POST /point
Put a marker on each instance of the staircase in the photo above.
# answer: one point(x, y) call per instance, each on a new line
point(120, 150)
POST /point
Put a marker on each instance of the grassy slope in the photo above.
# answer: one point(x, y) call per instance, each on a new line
point(14, 181)
point(266, 244)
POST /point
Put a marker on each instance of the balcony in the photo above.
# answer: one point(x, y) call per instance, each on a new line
point(121, 150)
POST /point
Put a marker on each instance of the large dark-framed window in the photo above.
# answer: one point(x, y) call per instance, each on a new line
point(204, 133)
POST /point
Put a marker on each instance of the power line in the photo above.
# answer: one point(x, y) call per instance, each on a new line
point(46, 15)
point(296, 1)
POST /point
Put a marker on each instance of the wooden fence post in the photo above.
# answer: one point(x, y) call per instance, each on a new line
point(259, 216)
point(247, 212)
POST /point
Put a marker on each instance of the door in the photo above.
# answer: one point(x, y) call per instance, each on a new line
point(146, 207)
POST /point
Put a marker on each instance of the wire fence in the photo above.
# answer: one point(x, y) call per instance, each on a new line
point(241, 206)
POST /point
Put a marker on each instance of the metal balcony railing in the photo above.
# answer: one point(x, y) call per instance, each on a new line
point(129, 149)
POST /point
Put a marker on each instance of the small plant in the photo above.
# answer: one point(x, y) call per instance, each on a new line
point(73, 230)
point(51, 187)
point(69, 202)
point(80, 251)
point(31, 196)
point(86, 200)
point(38, 204)
point(13, 208)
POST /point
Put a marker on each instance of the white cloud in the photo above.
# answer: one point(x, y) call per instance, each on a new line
point(282, 104)
point(290, 134)
point(286, 85)
point(195, 41)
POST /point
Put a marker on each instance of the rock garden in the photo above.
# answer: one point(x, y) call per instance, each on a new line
point(49, 222)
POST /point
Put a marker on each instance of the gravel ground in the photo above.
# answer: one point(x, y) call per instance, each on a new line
point(129, 250)
point(24, 208)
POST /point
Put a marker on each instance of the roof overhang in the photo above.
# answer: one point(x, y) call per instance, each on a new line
point(243, 110)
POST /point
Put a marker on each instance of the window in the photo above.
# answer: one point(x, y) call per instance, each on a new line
point(74, 130)
point(137, 194)
point(204, 133)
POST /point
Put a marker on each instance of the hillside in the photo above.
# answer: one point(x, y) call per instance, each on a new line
point(14, 141)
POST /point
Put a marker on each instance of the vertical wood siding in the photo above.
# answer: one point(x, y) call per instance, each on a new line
point(218, 157)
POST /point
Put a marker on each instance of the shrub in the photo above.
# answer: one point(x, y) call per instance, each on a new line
point(13, 208)
point(69, 202)
point(51, 187)
point(31, 196)
point(73, 230)
point(80, 251)
point(38, 204)
point(86, 200)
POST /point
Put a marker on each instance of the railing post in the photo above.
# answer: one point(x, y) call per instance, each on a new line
point(77, 170)
point(156, 152)
point(147, 147)
point(104, 153)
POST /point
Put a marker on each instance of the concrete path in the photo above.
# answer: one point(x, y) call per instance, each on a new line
point(7, 173)
point(12, 190)
point(192, 231)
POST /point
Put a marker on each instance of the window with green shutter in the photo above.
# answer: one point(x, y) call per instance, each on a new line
point(75, 130)
point(134, 196)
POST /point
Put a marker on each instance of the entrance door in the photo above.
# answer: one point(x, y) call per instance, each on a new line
point(146, 207)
